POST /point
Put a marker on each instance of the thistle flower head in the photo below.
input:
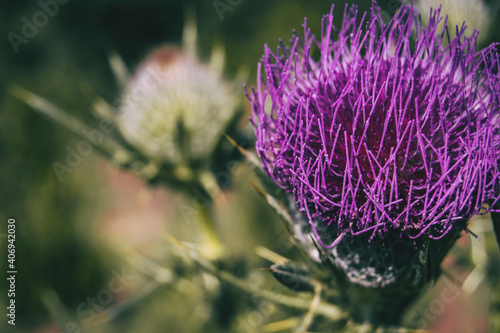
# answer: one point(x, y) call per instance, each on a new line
point(387, 131)
point(175, 108)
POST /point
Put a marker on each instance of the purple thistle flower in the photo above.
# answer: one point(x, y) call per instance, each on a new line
point(394, 129)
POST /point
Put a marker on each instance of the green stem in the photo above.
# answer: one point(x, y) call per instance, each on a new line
point(59, 312)
point(301, 301)
point(110, 148)
point(212, 247)
point(327, 310)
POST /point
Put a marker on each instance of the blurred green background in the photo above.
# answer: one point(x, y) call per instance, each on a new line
point(67, 231)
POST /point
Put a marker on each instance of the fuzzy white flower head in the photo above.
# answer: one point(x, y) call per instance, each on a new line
point(476, 13)
point(175, 108)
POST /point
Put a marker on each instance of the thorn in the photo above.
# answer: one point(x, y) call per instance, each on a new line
point(119, 69)
point(189, 34)
point(258, 189)
point(270, 255)
point(266, 197)
point(467, 230)
point(243, 151)
point(171, 239)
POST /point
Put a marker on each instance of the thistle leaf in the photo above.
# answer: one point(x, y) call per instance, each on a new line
point(294, 276)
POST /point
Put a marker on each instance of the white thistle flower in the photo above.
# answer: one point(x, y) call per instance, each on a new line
point(175, 108)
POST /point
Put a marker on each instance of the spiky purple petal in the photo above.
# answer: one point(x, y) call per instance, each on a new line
point(394, 128)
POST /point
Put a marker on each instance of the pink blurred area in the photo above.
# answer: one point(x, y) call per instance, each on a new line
point(135, 214)
point(451, 310)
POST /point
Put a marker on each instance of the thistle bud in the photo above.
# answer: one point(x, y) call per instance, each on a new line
point(176, 109)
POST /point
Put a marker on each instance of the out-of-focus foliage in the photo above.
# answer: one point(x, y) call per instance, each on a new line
point(61, 244)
